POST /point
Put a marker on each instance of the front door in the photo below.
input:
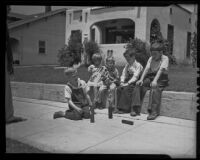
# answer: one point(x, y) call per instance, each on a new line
point(188, 44)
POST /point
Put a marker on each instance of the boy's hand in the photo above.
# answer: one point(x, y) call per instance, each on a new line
point(140, 82)
point(154, 84)
point(80, 110)
point(99, 84)
point(91, 68)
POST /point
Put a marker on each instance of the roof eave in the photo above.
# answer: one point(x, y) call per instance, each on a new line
point(19, 23)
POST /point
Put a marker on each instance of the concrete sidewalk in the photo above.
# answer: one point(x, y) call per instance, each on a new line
point(165, 135)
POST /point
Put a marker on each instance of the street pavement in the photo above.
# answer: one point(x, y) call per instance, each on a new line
point(165, 135)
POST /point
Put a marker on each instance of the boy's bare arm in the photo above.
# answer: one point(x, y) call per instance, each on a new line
point(87, 97)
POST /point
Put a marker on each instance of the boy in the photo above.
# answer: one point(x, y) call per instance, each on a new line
point(110, 80)
point(155, 78)
point(130, 75)
point(76, 97)
point(95, 81)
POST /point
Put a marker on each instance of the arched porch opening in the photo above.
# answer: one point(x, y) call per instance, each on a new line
point(114, 31)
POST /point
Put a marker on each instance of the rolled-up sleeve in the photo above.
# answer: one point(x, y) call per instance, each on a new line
point(137, 72)
point(67, 92)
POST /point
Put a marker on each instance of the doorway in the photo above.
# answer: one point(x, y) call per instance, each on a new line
point(170, 37)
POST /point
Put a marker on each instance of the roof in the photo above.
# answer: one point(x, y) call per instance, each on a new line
point(17, 15)
point(34, 17)
point(183, 8)
point(102, 7)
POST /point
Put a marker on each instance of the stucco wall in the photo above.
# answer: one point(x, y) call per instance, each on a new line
point(99, 15)
point(118, 50)
point(52, 30)
point(107, 14)
point(179, 19)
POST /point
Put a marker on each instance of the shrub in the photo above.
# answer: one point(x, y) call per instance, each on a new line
point(168, 51)
point(71, 53)
point(142, 54)
point(91, 48)
point(194, 49)
point(167, 47)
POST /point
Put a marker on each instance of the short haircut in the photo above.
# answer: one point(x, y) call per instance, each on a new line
point(157, 46)
point(131, 52)
point(96, 56)
point(110, 59)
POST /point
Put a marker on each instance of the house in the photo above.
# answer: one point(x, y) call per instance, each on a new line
point(36, 39)
point(111, 27)
point(13, 17)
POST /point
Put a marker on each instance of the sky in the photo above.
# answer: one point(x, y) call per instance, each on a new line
point(27, 10)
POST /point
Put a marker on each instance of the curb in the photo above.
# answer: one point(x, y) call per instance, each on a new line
point(174, 104)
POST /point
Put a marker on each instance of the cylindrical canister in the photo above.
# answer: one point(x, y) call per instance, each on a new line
point(91, 114)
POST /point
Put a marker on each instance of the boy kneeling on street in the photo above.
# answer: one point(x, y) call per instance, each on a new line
point(76, 97)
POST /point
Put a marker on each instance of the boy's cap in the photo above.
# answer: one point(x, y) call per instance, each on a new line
point(157, 46)
point(70, 71)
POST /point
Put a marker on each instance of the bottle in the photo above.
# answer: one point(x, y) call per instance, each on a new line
point(91, 114)
point(110, 115)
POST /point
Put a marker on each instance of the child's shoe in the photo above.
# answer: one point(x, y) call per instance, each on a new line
point(58, 114)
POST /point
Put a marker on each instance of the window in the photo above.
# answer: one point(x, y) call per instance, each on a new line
point(170, 11)
point(42, 48)
point(189, 20)
point(170, 37)
point(70, 18)
point(86, 16)
point(80, 19)
point(77, 14)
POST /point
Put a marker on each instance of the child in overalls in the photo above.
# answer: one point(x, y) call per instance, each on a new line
point(130, 75)
point(155, 78)
point(76, 97)
point(95, 80)
point(110, 80)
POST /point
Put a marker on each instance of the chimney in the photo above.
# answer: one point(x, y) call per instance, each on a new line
point(47, 9)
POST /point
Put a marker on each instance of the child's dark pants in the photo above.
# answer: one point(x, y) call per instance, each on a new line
point(154, 97)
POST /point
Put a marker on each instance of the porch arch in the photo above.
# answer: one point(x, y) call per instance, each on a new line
point(112, 31)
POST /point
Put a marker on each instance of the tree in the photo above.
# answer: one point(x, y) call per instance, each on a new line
point(157, 37)
point(71, 53)
point(194, 49)
point(142, 54)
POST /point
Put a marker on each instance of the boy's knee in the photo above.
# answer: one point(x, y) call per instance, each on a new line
point(112, 87)
point(156, 90)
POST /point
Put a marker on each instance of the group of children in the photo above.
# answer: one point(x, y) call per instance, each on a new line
point(126, 93)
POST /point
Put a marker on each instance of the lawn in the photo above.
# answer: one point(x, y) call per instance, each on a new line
point(182, 78)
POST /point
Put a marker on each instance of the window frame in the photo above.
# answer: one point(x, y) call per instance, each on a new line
point(42, 47)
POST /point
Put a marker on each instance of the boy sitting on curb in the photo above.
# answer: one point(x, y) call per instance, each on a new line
point(76, 96)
